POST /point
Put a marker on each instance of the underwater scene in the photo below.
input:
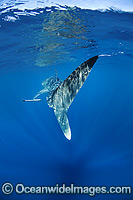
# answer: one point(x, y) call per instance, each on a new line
point(66, 101)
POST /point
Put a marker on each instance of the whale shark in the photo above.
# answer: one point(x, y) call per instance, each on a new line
point(62, 93)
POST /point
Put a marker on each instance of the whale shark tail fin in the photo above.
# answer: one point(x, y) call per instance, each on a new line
point(65, 93)
point(61, 115)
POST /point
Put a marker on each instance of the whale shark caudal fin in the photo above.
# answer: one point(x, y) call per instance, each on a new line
point(61, 94)
point(64, 95)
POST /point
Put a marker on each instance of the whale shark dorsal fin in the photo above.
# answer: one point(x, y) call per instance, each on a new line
point(64, 95)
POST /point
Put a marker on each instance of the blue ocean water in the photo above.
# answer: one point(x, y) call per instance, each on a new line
point(33, 149)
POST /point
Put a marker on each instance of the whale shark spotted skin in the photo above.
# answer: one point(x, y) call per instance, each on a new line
point(62, 93)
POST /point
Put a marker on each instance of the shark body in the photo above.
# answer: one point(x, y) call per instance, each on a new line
point(62, 93)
